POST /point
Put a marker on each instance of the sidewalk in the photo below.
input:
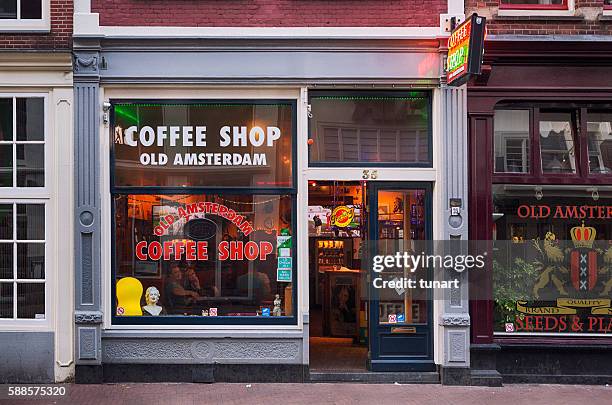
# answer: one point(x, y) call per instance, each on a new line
point(315, 394)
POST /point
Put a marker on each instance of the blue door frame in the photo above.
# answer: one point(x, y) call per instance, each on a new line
point(402, 346)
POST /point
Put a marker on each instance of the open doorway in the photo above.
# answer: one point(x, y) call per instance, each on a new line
point(338, 308)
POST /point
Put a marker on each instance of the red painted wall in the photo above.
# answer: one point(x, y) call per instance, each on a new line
point(60, 37)
point(270, 13)
point(543, 25)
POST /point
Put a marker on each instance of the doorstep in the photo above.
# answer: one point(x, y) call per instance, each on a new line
point(365, 377)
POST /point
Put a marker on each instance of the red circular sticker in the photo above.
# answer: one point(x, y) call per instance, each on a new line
point(120, 311)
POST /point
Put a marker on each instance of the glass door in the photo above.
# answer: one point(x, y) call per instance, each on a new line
point(400, 314)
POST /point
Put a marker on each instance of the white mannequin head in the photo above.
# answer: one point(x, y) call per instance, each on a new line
point(152, 296)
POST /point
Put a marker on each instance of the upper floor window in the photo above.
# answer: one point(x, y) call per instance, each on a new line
point(534, 4)
point(550, 142)
point(22, 142)
point(24, 15)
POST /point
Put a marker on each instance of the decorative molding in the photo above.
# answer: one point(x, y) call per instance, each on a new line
point(88, 317)
point(177, 350)
point(270, 32)
point(455, 320)
point(86, 63)
point(256, 350)
point(87, 343)
point(457, 343)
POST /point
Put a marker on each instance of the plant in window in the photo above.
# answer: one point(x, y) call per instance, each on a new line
point(511, 283)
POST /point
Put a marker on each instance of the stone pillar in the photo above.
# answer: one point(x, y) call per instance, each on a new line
point(455, 317)
point(88, 304)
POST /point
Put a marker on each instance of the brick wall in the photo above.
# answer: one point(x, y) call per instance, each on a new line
point(270, 13)
point(60, 37)
point(585, 21)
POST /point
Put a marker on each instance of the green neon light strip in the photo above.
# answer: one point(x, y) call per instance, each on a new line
point(200, 105)
point(368, 98)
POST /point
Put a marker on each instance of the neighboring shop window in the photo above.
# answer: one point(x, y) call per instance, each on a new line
point(534, 4)
point(552, 265)
point(372, 128)
point(204, 203)
point(539, 142)
point(512, 145)
point(552, 218)
point(22, 213)
point(599, 127)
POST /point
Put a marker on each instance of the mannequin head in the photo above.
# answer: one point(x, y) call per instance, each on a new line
point(152, 296)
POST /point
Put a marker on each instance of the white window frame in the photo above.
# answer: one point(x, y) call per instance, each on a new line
point(21, 25)
point(28, 192)
point(32, 195)
point(518, 12)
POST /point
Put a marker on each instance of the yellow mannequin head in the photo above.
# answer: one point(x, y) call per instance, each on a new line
point(129, 292)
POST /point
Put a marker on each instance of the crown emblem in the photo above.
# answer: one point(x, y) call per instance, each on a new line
point(583, 236)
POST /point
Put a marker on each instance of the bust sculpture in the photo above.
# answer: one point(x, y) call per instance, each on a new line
point(277, 306)
point(152, 298)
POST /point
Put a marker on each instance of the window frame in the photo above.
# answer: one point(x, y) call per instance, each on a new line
point(564, 6)
point(34, 195)
point(580, 137)
point(15, 280)
point(22, 25)
point(200, 321)
point(375, 93)
point(29, 192)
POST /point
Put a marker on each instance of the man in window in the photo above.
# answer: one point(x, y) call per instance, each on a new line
point(176, 294)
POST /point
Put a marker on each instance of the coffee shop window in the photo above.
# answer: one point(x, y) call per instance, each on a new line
point(203, 200)
point(205, 255)
point(370, 128)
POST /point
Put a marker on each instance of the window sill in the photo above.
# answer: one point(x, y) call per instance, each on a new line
point(522, 15)
point(14, 26)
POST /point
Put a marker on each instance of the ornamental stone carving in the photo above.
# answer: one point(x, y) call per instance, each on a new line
point(86, 63)
point(455, 320)
point(256, 350)
point(88, 317)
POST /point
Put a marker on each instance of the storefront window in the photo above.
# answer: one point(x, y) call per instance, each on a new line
point(221, 250)
point(370, 128)
point(552, 266)
point(557, 143)
point(203, 144)
point(511, 141)
point(599, 127)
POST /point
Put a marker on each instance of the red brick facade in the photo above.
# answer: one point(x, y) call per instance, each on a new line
point(585, 22)
point(270, 13)
point(60, 37)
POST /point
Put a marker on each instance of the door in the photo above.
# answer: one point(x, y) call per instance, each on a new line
point(400, 319)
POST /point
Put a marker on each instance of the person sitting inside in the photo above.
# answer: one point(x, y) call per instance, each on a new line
point(176, 294)
point(191, 281)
